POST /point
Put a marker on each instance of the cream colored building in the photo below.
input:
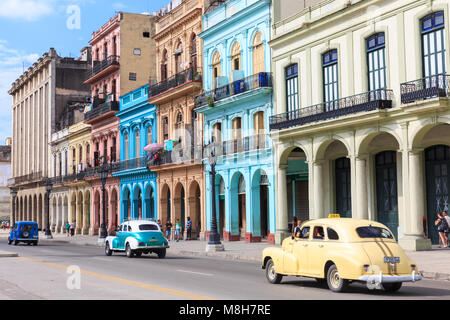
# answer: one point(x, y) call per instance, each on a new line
point(362, 115)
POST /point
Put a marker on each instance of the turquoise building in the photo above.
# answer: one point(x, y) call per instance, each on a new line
point(236, 104)
point(137, 129)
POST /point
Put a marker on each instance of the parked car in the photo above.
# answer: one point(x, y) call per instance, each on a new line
point(26, 232)
point(338, 251)
point(136, 237)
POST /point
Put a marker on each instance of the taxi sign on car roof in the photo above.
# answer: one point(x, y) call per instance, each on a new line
point(334, 215)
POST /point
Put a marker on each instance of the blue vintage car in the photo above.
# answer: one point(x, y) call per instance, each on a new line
point(26, 232)
point(136, 237)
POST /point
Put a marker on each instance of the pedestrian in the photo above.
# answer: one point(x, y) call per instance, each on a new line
point(68, 228)
point(447, 220)
point(178, 229)
point(294, 225)
point(160, 225)
point(168, 229)
point(297, 229)
point(188, 228)
point(442, 227)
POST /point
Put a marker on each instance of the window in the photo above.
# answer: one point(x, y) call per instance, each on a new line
point(194, 52)
point(137, 52)
point(137, 144)
point(330, 79)
point(376, 61)
point(318, 233)
point(217, 132)
point(177, 54)
point(164, 66)
point(292, 87)
point(332, 235)
point(433, 44)
point(149, 135)
point(258, 54)
point(258, 122)
point(217, 68)
point(237, 126)
point(179, 118)
point(148, 227)
point(373, 232)
point(165, 128)
point(126, 146)
point(133, 76)
point(304, 233)
point(146, 34)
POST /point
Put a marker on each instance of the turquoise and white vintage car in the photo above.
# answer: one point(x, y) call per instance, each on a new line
point(136, 237)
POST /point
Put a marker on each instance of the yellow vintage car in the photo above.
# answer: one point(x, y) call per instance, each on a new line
point(338, 251)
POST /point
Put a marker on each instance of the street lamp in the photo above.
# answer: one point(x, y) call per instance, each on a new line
point(212, 153)
point(48, 187)
point(103, 174)
point(14, 196)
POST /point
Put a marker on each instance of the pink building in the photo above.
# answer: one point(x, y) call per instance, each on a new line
point(122, 60)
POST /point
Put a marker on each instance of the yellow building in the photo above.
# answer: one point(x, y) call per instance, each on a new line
point(361, 117)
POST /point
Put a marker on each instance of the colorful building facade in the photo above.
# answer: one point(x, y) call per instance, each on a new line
point(236, 104)
point(138, 128)
point(179, 72)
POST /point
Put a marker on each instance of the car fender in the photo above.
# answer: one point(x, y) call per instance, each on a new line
point(276, 254)
point(110, 241)
point(349, 260)
point(134, 244)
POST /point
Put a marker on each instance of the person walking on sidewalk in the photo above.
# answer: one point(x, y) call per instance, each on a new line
point(447, 219)
point(178, 229)
point(168, 229)
point(442, 228)
point(68, 228)
point(188, 228)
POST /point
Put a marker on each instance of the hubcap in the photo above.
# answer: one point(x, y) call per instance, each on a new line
point(272, 272)
point(334, 278)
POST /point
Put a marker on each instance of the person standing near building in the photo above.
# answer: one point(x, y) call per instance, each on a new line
point(168, 229)
point(188, 228)
point(442, 228)
point(68, 228)
point(178, 229)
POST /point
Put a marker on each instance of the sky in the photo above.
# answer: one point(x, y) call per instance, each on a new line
point(29, 28)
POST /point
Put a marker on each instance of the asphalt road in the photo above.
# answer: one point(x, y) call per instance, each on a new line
point(42, 273)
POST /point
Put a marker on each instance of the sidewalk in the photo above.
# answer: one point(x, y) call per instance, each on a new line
point(434, 264)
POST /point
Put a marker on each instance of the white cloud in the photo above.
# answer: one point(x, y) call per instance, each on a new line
point(29, 10)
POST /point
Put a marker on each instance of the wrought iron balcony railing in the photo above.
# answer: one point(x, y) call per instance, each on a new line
point(101, 109)
point(368, 101)
point(137, 163)
point(99, 66)
point(426, 88)
point(251, 143)
point(175, 81)
point(178, 155)
point(259, 80)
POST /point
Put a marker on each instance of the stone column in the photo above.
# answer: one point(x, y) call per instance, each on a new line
point(86, 217)
point(282, 216)
point(413, 239)
point(362, 205)
point(319, 196)
point(79, 221)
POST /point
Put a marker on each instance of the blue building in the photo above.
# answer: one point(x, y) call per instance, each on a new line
point(137, 129)
point(236, 104)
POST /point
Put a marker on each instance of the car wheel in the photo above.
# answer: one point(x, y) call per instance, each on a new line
point(108, 250)
point(162, 253)
point(138, 254)
point(9, 241)
point(271, 275)
point(16, 242)
point(129, 252)
point(334, 281)
point(392, 287)
point(28, 243)
point(35, 243)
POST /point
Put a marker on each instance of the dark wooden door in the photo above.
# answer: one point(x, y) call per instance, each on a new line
point(343, 187)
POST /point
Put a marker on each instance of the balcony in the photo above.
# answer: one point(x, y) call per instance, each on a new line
point(29, 178)
point(251, 143)
point(176, 85)
point(138, 163)
point(178, 156)
point(101, 69)
point(101, 109)
point(365, 102)
point(260, 80)
point(426, 88)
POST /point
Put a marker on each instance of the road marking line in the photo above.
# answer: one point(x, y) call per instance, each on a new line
point(200, 273)
point(125, 281)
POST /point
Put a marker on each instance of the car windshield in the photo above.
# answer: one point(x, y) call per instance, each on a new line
point(148, 227)
point(373, 232)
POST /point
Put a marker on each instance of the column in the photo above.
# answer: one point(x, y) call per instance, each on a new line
point(319, 195)
point(282, 217)
point(78, 221)
point(86, 217)
point(413, 239)
point(362, 204)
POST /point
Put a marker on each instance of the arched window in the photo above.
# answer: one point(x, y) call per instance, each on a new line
point(137, 144)
point(194, 51)
point(178, 62)
point(217, 68)
point(88, 155)
point(126, 146)
point(217, 133)
point(236, 56)
point(258, 122)
point(237, 128)
point(149, 134)
point(164, 65)
point(258, 54)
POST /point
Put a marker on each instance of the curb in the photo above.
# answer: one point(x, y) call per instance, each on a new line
point(4, 254)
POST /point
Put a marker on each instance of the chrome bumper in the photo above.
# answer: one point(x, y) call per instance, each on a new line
point(380, 278)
